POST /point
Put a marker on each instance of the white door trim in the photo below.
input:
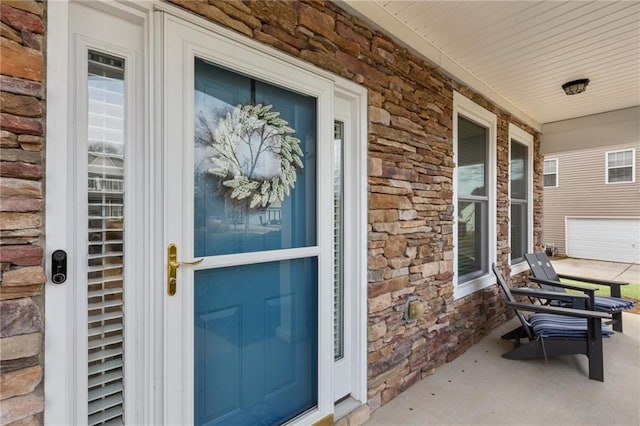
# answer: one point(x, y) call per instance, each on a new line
point(183, 42)
point(68, 40)
point(352, 109)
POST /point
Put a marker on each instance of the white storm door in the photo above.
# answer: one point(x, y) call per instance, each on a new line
point(248, 204)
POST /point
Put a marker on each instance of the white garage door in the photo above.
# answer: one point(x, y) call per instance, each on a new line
point(616, 240)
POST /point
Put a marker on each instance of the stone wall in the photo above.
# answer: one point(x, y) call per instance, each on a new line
point(22, 93)
point(410, 217)
point(410, 166)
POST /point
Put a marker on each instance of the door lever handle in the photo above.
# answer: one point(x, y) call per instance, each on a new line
point(195, 262)
point(172, 268)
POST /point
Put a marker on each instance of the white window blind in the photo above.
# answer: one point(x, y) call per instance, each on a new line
point(338, 242)
point(105, 244)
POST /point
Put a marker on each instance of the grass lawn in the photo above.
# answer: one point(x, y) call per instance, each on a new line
point(631, 291)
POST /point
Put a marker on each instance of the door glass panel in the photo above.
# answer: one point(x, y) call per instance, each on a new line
point(256, 342)
point(255, 185)
point(105, 286)
point(338, 241)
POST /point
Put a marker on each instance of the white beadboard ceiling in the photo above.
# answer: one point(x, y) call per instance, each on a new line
point(519, 53)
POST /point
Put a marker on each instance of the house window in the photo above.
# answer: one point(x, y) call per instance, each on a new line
point(520, 195)
point(551, 173)
point(473, 200)
point(474, 186)
point(620, 166)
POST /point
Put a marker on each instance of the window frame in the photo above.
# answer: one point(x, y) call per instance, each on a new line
point(463, 106)
point(633, 166)
point(557, 173)
point(524, 138)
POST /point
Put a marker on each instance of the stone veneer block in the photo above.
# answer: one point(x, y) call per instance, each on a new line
point(22, 346)
point(20, 382)
point(11, 187)
point(21, 62)
point(22, 20)
point(21, 255)
point(31, 6)
point(20, 221)
point(21, 86)
point(20, 407)
point(27, 421)
point(18, 364)
point(29, 275)
point(20, 316)
point(8, 293)
point(26, 106)
point(20, 204)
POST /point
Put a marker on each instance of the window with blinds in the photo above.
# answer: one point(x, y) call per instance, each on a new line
point(338, 241)
point(473, 200)
point(519, 175)
point(105, 243)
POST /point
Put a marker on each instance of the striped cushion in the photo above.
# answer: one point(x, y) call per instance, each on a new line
point(613, 303)
point(551, 325)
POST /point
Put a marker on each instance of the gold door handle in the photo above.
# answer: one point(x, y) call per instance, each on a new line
point(172, 268)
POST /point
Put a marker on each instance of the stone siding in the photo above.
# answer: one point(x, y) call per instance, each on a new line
point(22, 115)
point(410, 167)
point(410, 211)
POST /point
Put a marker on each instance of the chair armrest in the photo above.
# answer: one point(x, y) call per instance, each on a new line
point(613, 285)
point(564, 285)
point(579, 313)
point(544, 294)
point(591, 292)
point(593, 280)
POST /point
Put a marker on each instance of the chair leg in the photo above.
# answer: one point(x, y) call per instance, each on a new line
point(617, 321)
point(529, 350)
point(594, 347)
point(516, 333)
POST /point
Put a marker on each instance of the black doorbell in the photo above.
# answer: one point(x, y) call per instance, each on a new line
point(59, 266)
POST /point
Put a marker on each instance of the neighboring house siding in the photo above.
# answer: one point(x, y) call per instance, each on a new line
point(583, 192)
point(21, 210)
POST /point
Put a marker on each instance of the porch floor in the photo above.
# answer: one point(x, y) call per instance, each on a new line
point(482, 388)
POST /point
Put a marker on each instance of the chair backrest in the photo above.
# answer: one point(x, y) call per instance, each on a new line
point(547, 267)
point(541, 268)
point(502, 283)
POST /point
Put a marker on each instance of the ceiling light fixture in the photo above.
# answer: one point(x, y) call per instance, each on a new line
point(576, 86)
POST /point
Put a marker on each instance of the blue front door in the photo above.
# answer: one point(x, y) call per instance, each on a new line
point(255, 323)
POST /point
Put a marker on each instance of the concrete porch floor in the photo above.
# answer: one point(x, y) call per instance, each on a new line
point(482, 388)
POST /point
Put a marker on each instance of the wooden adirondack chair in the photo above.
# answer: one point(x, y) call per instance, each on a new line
point(548, 279)
point(554, 331)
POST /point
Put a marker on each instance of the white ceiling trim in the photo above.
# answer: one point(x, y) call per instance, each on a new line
point(373, 13)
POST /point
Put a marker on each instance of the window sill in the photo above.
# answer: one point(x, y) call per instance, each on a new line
point(470, 287)
point(519, 268)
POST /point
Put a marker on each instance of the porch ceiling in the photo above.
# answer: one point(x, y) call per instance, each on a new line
point(519, 53)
